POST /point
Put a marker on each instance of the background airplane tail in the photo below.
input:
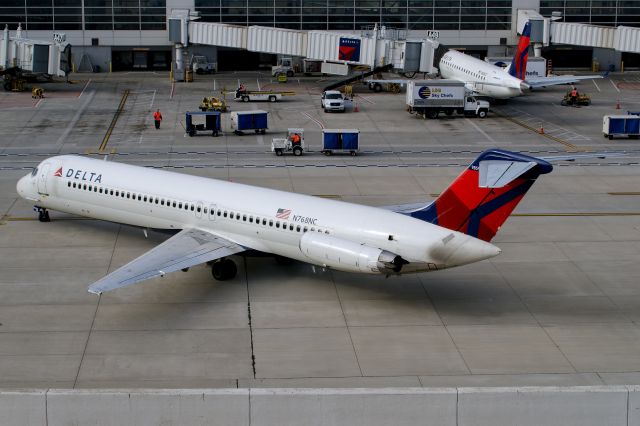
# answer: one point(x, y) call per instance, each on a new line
point(481, 199)
point(518, 67)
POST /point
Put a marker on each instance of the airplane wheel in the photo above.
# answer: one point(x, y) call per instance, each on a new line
point(224, 269)
point(43, 216)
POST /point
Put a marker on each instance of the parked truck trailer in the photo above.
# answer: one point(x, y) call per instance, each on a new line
point(431, 97)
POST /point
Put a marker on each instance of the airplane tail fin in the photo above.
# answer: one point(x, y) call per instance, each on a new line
point(518, 67)
point(481, 199)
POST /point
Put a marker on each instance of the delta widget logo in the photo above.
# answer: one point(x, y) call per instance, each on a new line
point(58, 172)
point(349, 49)
point(424, 92)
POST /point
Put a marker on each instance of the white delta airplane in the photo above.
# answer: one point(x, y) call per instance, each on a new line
point(212, 219)
point(486, 79)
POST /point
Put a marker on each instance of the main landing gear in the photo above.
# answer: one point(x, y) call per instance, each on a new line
point(224, 269)
point(43, 214)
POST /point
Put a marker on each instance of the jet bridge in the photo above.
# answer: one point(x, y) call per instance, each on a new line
point(376, 48)
point(546, 31)
point(27, 58)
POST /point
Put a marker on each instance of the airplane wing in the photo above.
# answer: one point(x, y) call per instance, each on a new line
point(187, 248)
point(555, 80)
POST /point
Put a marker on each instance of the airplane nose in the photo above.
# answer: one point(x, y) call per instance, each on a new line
point(24, 187)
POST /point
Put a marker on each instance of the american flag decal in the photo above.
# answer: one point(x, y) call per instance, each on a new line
point(283, 214)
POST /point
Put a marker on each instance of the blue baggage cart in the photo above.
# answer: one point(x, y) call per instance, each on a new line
point(621, 125)
point(255, 120)
point(340, 140)
point(211, 122)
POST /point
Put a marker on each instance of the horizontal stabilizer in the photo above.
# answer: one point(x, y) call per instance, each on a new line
point(497, 173)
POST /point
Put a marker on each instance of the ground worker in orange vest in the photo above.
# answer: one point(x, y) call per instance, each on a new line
point(574, 95)
point(240, 90)
point(295, 139)
point(157, 117)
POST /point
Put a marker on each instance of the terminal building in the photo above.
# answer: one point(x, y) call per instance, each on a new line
point(134, 34)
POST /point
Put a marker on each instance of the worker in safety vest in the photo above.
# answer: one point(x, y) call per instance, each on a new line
point(240, 90)
point(295, 139)
point(157, 117)
point(574, 95)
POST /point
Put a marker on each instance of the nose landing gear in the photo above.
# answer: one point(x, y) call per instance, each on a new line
point(43, 214)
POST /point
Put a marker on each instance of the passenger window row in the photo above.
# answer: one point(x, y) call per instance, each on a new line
point(476, 75)
point(139, 197)
point(193, 207)
point(267, 222)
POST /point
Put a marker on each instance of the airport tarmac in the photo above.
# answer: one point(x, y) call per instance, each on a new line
point(559, 306)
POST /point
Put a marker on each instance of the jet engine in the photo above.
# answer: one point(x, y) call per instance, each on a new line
point(349, 256)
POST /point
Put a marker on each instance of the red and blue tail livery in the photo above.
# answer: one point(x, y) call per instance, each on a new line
point(518, 66)
point(481, 199)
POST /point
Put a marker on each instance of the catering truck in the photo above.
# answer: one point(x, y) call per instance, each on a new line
point(431, 97)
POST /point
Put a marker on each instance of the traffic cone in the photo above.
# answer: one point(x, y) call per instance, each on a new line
point(355, 106)
point(541, 131)
point(618, 104)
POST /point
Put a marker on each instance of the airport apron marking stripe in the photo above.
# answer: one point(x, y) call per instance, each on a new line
point(114, 120)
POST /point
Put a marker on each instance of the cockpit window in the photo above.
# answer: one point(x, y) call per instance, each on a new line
point(34, 171)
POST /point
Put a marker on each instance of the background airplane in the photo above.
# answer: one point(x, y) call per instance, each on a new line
point(489, 80)
point(214, 219)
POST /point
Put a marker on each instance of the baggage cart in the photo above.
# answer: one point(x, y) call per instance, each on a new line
point(621, 125)
point(244, 95)
point(340, 141)
point(211, 122)
point(242, 121)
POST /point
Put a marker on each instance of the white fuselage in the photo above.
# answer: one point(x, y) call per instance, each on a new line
point(482, 77)
point(243, 214)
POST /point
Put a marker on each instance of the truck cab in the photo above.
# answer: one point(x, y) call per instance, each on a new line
point(475, 107)
point(332, 100)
